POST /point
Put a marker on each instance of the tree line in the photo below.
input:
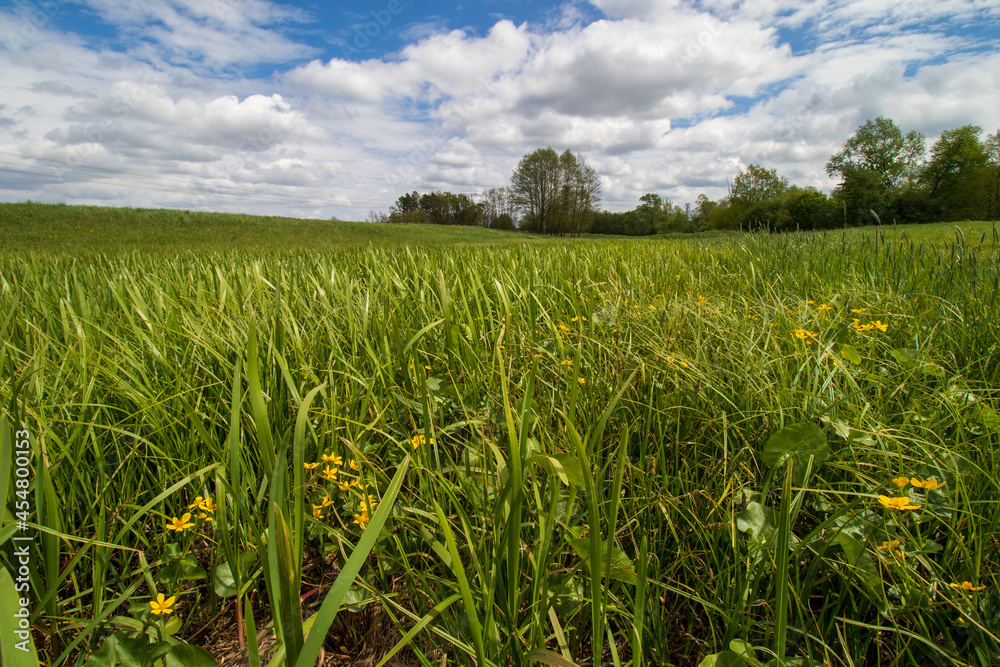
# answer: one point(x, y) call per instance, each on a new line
point(885, 175)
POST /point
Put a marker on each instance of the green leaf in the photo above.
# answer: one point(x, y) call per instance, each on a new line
point(930, 547)
point(172, 626)
point(723, 659)
point(104, 656)
point(850, 354)
point(10, 652)
point(797, 442)
point(745, 651)
point(622, 568)
point(225, 582)
point(137, 651)
point(862, 563)
point(185, 569)
point(547, 657)
point(357, 598)
point(185, 655)
point(760, 523)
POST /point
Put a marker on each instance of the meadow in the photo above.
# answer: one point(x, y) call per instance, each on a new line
point(379, 449)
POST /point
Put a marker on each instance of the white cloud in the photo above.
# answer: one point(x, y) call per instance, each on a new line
point(215, 33)
point(668, 97)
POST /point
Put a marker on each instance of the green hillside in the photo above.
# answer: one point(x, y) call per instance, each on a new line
point(60, 228)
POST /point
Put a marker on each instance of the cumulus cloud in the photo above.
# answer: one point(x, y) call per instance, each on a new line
point(664, 96)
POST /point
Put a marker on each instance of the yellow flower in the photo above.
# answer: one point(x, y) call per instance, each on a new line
point(931, 483)
point(893, 548)
point(325, 502)
point(372, 501)
point(857, 326)
point(802, 334)
point(362, 519)
point(353, 465)
point(564, 328)
point(825, 306)
point(180, 524)
point(330, 473)
point(418, 440)
point(317, 512)
point(902, 503)
point(967, 586)
point(900, 482)
point(333, 458)
point(162, 605)
point(198, 500)
point(310, 466)
point(344, 486)
point(204, 517)
point(881, 327)
point(207, 505)
point(566, 362)
point(582, 380)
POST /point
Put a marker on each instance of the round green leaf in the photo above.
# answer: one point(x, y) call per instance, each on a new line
point(797, 442)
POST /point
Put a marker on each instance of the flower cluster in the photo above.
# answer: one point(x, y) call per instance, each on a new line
point(204, 508)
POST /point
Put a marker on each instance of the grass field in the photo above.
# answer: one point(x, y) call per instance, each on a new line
point(727, 450)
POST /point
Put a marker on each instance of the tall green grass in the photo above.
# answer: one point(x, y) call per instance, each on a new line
point(608, 452)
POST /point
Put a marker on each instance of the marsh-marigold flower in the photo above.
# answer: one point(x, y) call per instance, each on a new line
point(198, 500)
point(900, 482)
point(163, 605)
point(419, 439)
point(892, 547)
point(931, 483)
point(967, 586)
point(802, 334)
point(330, 473)
point(333, 458)
point(310, 466)
point(362, 519)
point(902, 503)
point(180, 524)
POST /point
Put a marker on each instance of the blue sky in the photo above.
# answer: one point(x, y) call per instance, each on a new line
point(334, 109)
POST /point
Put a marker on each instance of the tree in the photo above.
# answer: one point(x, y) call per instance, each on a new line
point(558, 193)
point(752, 187)
point(535, 184)
point(498, 208)
point(992, 146)
point(874, 164)
point(647, 217)
point(957, 175)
